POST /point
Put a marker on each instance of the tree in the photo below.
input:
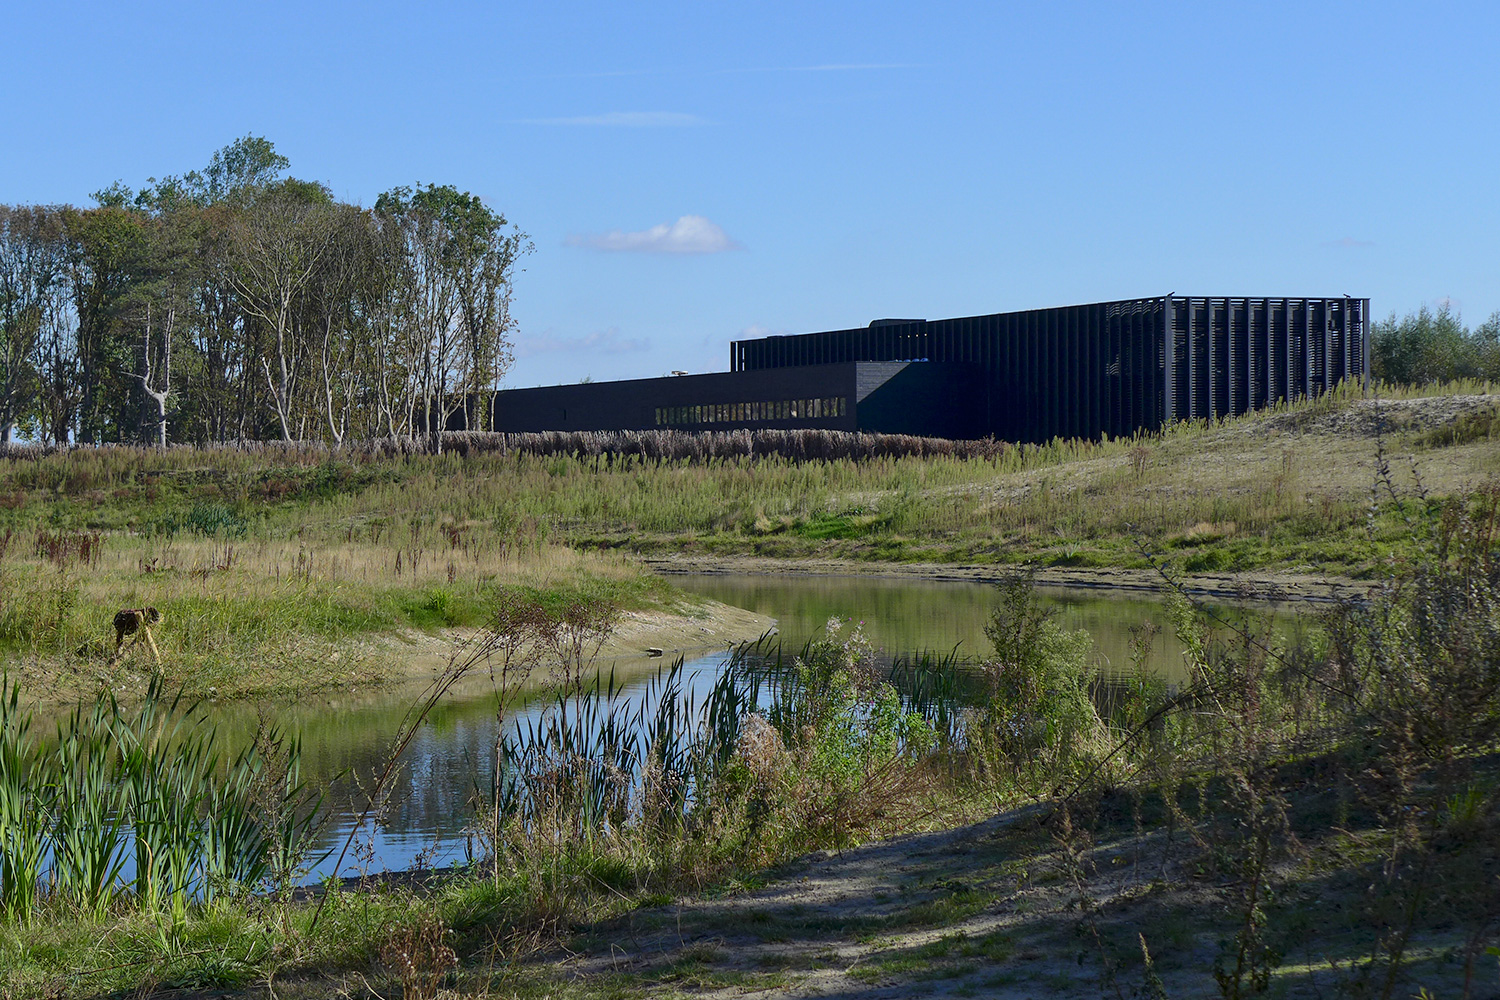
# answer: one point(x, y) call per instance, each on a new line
point(30, 268)
point(156, 354)
point(280, 242)
point(107, 250)
point(220, 384)
point(237, 302)
point(234, 176)
point(381, 294)
point(1424, 347)
point(57, 373)
point(459, 260)
point(343, 336)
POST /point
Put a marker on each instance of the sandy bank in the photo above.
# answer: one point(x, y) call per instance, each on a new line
point(366, 662)
point(1274, 587)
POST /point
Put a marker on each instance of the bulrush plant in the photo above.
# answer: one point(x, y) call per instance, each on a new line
point(89, 848)
point(136, 808)
point(630, 790)
point(23, 824)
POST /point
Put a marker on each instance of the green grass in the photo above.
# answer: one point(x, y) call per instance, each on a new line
point(273, 568)
point(1273, 490)
point(949, 957)
point(269, 561)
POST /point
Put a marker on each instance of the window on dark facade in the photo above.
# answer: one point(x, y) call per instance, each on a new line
point(754, 411)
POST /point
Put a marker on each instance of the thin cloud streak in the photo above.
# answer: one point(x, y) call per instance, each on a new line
point(622, 119)
point(820, 68)
point(691, 234)
point(826, 68)
point(601, 342)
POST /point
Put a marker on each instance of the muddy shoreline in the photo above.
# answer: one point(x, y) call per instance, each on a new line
point(1275, 588)
point(374, 663)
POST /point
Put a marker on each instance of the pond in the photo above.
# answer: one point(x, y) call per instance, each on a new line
point(429, 815)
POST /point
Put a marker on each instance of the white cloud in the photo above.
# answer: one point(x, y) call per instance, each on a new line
point(623, 119)
point(689, 234)
point(755, 331)
point(601, 342)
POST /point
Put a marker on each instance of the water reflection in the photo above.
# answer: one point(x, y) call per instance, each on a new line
point(449, 766)
point(346, 736)
point(903, 616)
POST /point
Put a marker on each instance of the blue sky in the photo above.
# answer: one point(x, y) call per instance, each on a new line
point(692, 173)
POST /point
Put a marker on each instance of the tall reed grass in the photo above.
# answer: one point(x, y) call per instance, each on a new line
point(779, 753)
point(1373, 741)
point(136, 806)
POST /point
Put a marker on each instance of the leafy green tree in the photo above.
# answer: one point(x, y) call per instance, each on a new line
point(236, 302)
point(29, 273)
point(459, 262)
point(1425, 347)
point(106, 253)
point(279, 245)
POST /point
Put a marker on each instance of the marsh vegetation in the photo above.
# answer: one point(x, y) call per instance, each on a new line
point(1171, 839)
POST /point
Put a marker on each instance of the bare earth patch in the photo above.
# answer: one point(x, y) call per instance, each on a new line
point(703, 624)
point(1000, 908)
point(1265, 586)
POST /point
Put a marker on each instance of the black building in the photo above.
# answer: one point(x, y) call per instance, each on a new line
point(1074, 371)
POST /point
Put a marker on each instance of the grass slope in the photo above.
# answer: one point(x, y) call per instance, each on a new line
point(285, 567)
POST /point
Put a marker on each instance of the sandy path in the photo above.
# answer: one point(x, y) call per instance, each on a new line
point(982, 910)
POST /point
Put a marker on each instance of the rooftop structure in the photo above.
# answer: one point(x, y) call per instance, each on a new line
point(1072, 371)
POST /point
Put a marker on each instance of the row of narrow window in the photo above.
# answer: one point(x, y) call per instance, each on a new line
point(728, 413)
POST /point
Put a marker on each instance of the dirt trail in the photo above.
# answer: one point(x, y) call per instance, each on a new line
point(983, 910)
point(1010, 907)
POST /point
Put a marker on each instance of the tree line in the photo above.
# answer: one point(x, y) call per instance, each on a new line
point(1426, 346)
point(237, 303)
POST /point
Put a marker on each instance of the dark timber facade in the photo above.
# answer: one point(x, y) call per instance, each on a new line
point(1074, 371)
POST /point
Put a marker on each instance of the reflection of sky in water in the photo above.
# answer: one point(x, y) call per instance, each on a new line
point(430, 816)
point(450, 763)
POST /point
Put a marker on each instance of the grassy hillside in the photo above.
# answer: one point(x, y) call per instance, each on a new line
point(277, 566)
point(1290, 488)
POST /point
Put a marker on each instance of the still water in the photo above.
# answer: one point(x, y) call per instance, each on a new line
point(429, 816)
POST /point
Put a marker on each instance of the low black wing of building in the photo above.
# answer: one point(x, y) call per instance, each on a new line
point(1074, 371)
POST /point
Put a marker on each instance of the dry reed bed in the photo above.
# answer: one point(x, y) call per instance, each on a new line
point(801, 445)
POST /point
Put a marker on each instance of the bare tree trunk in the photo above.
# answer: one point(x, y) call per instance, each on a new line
point(159, 394)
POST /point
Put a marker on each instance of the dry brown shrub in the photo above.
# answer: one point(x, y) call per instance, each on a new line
point(417, 952)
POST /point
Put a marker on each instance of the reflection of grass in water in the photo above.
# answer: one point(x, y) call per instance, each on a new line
point(908, 616)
